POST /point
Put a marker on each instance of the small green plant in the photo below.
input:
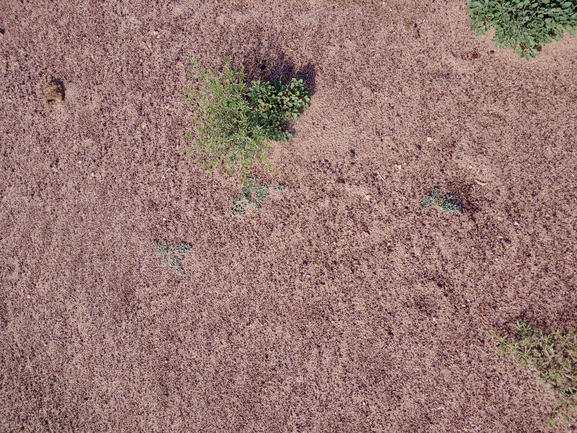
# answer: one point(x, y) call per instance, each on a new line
point(252, 192)
point(552, 355)
point(523, 25)
point(172, 255)
point(234, 124)
point(447, 204)
point(273, 104)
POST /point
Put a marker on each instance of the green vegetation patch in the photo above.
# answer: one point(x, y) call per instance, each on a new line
point(234, 124)
point(523, 25)
point(252, 192)
point(552, 355)
point(172, 255)
point(274, 104)
point(445, 204)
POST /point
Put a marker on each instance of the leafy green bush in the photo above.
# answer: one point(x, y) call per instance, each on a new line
point(523, 25)
point(234, 124)
point(274, 104)
point(447, 204)
point(552, 355)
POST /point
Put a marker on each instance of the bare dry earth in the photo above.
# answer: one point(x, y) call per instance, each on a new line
point(340, 306)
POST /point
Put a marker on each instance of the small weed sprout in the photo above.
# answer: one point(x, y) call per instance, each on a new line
point(234, 125)
point(523, 25)
point(552, 355)
point(447, 204)
point(172, 255)
point(252, 192)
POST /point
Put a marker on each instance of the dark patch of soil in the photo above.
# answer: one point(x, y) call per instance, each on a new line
point(53, 94)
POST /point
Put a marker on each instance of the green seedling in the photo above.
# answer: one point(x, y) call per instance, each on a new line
point(172, 255)
point(252, 192)
point(447, 204)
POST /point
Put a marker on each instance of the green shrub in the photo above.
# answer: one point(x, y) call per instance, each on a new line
point(552, 355)
point(447, 204)
point(274, 104)
point(234, 124)
point(523, 25)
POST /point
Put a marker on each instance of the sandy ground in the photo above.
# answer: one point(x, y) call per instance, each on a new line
point(341, 306)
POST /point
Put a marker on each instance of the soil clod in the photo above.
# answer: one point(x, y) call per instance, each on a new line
point(53, 94)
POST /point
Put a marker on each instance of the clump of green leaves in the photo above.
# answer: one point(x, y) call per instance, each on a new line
point(273, 104)
point(172, 255)
point(552, 355)
point(234, 124)
point(446, 204)
point(523, 25)
point(252, 192)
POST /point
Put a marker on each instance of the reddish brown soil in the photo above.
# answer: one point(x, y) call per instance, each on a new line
point(341, 306)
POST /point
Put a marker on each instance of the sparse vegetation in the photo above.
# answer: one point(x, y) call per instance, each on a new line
point(523, 25)
point(552, 355)
point(446, 204)
point(252, 192)
point(234, 125)
point(172, 255)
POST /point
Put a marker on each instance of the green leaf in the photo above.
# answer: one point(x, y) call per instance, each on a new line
point(523, 25)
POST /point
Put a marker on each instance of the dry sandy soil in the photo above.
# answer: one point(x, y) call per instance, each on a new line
point(341, 306)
